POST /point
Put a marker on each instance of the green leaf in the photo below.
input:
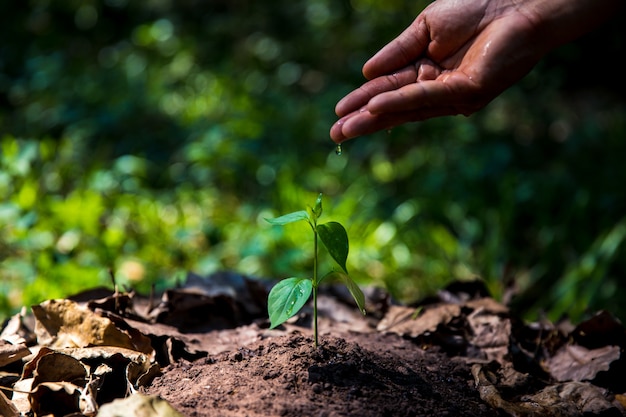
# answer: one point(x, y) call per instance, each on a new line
point(287, 298)
point(335, 238)
point(317, 208)
point(356, 292)
point(289, 218)
point(354, 289)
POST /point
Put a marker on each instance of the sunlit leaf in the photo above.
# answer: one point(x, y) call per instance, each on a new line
point(289, 218)
point(317, 208)
point(139, 404)
point(287, 298)
point(354, 289)
point(335, 238)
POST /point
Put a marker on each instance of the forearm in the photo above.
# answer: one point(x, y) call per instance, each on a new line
point(561, 21)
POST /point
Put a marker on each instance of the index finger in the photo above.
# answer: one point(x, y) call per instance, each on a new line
point(405, 49)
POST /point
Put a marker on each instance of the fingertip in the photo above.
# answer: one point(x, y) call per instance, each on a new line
point(340, 108)
point(336, 133)
point(376, 104)
point(370, 70)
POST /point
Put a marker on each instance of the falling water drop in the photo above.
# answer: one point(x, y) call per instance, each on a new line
point(338, 149)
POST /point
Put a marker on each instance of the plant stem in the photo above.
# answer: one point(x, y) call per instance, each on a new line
point(315, 287)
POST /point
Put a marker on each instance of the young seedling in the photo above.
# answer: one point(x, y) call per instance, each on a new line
point(288, 296)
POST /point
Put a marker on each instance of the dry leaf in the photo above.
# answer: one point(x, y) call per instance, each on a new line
point(10, 353)
point(7, 408)
point(123, 370)
point(139, 405)
point(55, 366)
point(490, 334)
point(21, 399)
point(570, 399)
point(56, 398)
point(77, 379)
point(401, 320)
point(487, 304)
point(64, 323)
point(577, 363)
point(18, 329)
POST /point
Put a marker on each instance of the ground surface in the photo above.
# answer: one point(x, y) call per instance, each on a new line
point(206, 350)
point(347, 375)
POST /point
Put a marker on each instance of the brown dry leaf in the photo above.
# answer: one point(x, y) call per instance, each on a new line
point(64, 323)
point(7, 408)
point(55, 398)
point(222, 300)
point(487, 304)
point(577, 363)
point(21, 393)
point(83, 377)
point(125, 369)
point(490, 334)
point(10, 352)
point(401, 320)
point(570, 399)
point(169, 344)
point(56, 366)
point(57, 384)
point(19, 329)
point(139, 405)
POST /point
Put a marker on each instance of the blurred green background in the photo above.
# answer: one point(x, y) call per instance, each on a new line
point(153, 137)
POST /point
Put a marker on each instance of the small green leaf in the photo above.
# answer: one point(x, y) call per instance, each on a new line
point(335, 238)
point(317, 208)
point(289, 218)
point(354, 289)
point(356, 292)
point(287, 298)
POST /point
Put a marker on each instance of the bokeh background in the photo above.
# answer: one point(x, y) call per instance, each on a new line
point(151, 138)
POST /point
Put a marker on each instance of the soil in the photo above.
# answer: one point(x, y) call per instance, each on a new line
point(349, 374)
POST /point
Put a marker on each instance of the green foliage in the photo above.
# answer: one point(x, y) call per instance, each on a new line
point(154, 137)
point(288, 296)
point(335, 238)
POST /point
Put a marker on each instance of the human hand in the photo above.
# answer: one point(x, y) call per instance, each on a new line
point(456, 57)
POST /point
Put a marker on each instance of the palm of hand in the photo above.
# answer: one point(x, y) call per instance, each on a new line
point(447, 62)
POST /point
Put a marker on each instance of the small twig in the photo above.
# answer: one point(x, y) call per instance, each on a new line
point(151, 300)
point(115, 293)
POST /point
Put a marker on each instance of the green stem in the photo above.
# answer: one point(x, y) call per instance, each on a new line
point(315, 287)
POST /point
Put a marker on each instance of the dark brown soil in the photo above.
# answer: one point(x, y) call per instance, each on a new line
point(349, 374)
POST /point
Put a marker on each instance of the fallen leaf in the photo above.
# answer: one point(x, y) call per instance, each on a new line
point(577, 363)
point(569, 399)
point(10, 352)
point(19, 329)
point(7, 408)
point(55, 398)
point(139, 405)
point(64, 323)
point(56, 366)
point(401, 320)
point(600, 330)
point(490, 334)
point(21, 392)
point(487, 304)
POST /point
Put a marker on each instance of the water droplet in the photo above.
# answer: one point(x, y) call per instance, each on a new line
point(338, 149)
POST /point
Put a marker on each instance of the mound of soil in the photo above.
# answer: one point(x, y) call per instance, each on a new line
point(347, 375)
